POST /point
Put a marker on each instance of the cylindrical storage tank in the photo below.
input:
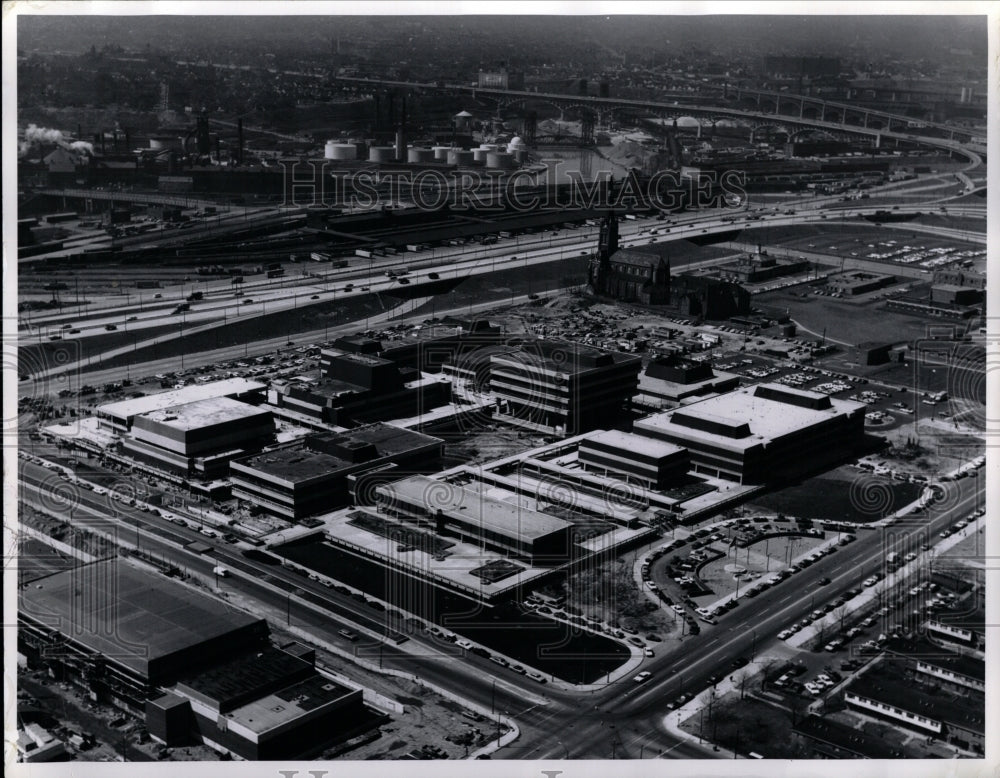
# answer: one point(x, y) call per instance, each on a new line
point(788, 331)
point(489, 146)
point(340, 151)
point(499, 160)
point(441, 152)
point(479, 155)
point(460, 157)
point(420, 155)
point(381, 154)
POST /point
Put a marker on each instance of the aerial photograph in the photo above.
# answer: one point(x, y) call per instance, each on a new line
point(454, 385)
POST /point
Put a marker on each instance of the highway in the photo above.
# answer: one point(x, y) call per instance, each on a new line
point(222, 303)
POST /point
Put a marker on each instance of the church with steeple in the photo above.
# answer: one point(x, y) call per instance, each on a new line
point(642, 275)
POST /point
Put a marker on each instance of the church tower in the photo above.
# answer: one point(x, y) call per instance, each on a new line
point(607, 246)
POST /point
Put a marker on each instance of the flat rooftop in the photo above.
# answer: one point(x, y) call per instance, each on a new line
point(940, 706)
point(154, 402)
point(288, 704)
point(300, 463)
point(243, 675)
point(748, 416)
point(205, 413)
point(630, 442)
point(453, 571)
point(127, 614)
point(563, 356)
point(474, 506)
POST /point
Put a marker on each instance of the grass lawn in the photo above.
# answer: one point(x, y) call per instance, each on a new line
point(863, 498)
point(748, 725)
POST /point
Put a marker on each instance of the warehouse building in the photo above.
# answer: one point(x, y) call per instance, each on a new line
point(323, 473)
point(136, 633)
point(555, 385)
point(199, 438)
point(259, 705)
point(761, 434)
point(922, 306)
point(118, 416)
point(192, 667)
point(476, 518)
point(653, 463)
point(955, 294)
point(968, 279)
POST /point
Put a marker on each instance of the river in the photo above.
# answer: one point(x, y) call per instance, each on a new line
point(567, 163)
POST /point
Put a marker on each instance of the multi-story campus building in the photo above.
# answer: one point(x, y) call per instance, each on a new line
point(472, 516)
point(552, 384)
point(633, 458)
point(322, 473)
point(199, 438)
point(761, 433)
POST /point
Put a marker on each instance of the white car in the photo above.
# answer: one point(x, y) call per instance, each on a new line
point(642, 676)
point(648, 652)
point(784, 634)
point(678, 609)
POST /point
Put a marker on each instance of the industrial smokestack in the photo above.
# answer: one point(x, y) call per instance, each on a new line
point(401, 133)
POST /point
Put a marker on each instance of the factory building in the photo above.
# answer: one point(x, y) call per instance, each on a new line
point(761, 434)
point(118, 416)
point(549, 384)
point(322, 474)
point(199, 438)
point(634, 458)
point(474, 517)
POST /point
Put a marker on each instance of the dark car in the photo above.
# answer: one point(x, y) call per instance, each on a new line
point(740, 661)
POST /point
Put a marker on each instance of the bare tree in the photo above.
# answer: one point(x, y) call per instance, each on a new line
point(742, 679)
